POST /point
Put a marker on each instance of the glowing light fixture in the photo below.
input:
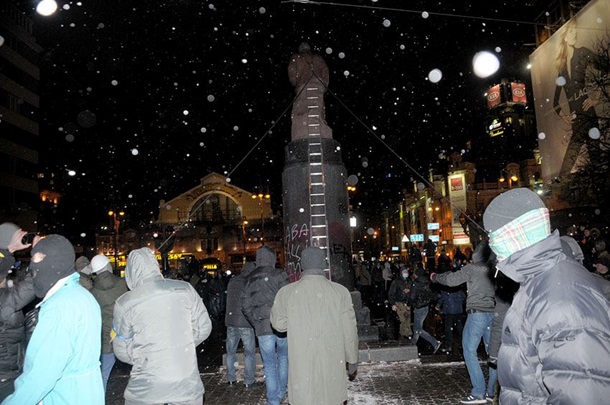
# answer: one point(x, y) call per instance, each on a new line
point(46, 7)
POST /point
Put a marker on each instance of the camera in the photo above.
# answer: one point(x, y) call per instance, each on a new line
point(28, 238)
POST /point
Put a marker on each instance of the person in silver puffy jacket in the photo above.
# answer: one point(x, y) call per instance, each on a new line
point(156, 328)
point(556, 334)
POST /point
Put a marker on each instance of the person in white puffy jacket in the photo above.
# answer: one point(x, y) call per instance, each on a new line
point(156, 328)
point(555, 341)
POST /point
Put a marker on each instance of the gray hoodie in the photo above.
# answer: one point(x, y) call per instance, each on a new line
point(478, 278)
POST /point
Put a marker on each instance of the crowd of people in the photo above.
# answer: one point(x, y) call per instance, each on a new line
point(538, 301)
point(306, 330)
point(493, 295)
point(394, 290)
point(76, 318)
point(65, 319)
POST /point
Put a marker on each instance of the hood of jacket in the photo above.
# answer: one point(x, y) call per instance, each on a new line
point(247, 269)
point(105, 281)
point(265, 257)
point(531, 261)
point(142, 267)
point(481, 253)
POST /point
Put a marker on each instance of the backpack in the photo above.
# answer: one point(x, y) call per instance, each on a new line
point(424, 296)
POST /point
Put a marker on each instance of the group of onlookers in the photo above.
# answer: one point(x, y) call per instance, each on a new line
point(85, 315)
point(529, 298)
point(593, 249)
point(81, 319)
point(542, 316)
point(62, 359)
point(306, 330)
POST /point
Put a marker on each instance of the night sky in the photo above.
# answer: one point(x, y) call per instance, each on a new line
point(140, 100)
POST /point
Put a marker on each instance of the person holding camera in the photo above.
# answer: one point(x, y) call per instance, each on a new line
point(61, 363)
point(12, 301)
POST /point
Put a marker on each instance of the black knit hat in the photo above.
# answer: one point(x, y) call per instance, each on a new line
point(57, 262)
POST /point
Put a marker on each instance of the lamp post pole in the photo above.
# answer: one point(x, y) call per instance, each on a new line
point(352, 219)
point(261, 197)
point(116, 225)
point(243, 235)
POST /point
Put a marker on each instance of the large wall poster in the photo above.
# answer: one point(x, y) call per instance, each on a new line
point(567, 105)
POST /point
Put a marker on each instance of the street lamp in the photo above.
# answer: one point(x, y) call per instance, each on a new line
point(116, 224)
point(261, 197)
point(511, 178)
point(510, 173)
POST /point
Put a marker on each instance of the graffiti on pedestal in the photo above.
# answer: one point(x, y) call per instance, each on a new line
point(297, 239)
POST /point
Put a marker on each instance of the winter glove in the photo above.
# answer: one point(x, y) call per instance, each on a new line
point(352, 371)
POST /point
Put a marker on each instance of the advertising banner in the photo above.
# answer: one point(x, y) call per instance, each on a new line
point(493, 96)
point(566, 100)
point(457, 196)
point(518, 92)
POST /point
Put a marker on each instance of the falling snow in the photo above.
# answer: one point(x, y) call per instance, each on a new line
point(137, 97)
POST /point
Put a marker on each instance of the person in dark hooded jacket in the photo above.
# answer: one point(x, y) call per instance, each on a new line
point(555, 341)
point(257, 299)
point(238, 328)
point(106, 289)
point(157, 327)
point(12, 300)
point(421, 297)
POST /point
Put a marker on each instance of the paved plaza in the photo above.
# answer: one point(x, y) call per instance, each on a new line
point(414, 382)
point(419, 377)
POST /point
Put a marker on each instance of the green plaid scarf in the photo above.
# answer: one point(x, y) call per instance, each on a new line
point(521, 232)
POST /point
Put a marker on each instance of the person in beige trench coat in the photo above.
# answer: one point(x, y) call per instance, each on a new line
point(322, 335)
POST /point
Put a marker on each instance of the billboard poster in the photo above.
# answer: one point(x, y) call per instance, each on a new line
point(493, 96)
point(517, 91)
point(566, 101)
point(457, 196)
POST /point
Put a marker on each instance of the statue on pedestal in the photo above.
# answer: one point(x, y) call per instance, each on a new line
point(309, 75)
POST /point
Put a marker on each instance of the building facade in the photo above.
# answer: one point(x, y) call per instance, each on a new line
point(218, 220)
point(19, 121)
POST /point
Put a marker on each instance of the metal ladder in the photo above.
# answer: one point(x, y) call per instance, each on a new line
point(317, 185)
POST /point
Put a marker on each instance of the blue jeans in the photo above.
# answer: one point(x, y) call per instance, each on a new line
point(419, 316)
point(246, 335)
point(478, 325)
point(275, 365)
point(107, 361)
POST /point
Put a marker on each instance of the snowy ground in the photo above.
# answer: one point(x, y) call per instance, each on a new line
point(395, 383)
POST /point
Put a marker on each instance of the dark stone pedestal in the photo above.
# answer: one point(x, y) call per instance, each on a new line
point(367, 332)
